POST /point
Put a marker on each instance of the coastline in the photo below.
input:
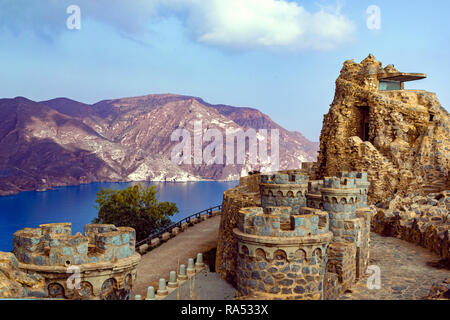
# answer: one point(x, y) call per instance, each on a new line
point(56, 186)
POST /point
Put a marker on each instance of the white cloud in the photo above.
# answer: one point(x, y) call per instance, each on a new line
point(238, 24)
point(264, 23)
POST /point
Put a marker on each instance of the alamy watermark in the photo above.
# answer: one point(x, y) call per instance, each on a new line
point(374, 281)
point(373, 21)
point(74, 281)
point(73, 22)
point(194, 151)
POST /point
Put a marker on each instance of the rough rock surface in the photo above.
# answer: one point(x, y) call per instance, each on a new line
point(422, 220)
point(18, 284)
point(400, 137)
point(64, 142)
point(440, 290)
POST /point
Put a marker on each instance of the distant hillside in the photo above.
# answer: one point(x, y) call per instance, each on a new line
point(64, 142)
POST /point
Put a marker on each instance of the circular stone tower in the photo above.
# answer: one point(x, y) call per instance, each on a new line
point(98, 265)
point(284, 189)
point(340, 196)
point(282, 255)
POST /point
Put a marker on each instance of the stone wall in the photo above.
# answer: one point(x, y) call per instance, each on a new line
point(363, 249)
point(104, 257)
point(439, 290)
point(244, 195)
point(282, 255)
point(422, 220)
point(252, 182)
point(341, 263)
point(295, 278)
point(254, 238)
point(14, 283)
point(284, 189)
point(54, 244)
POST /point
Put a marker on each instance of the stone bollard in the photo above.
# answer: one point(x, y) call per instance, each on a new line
point(154, 243)
point(162, 290)
point(204, 217)
point(194, 220)
point(199, 265)
point(173, 283)
point(165, 236)
point(138, 297)
point(175, 231)
point(143, 249)
point(184, 226)
point(182, 275)
point(150, 293)
point(191, 268)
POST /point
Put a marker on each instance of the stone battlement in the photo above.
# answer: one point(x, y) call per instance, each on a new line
point(339, 183)
point(287, 177)
point(288, 236)
point(359, 176)
point(315, 186)
point(344, 180)
point(54, 245)
point(281, 222)
point(104, 258)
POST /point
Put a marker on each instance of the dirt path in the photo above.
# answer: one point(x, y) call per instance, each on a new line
point(160, 261)
point(405, 272)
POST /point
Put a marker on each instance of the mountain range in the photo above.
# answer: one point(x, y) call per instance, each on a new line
point(63, 142)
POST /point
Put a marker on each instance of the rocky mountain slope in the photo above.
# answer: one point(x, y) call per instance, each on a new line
point(400, 137)
point(64, 142)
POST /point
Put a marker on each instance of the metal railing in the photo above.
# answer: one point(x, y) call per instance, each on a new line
point(178, 224)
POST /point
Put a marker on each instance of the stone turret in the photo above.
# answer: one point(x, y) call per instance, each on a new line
point(339, 197)
point(105, 258)
point(282, 254)
point(362, 184)
point(284, 189)
point(307, 240)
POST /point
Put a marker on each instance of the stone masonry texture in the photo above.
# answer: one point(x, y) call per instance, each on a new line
point(295, 238)
point(47, 257)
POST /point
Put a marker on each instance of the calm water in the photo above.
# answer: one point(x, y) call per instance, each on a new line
point(76, 204)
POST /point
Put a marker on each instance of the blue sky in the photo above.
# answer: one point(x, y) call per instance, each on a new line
point(279, 56)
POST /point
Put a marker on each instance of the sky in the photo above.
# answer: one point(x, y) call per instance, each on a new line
point(279, 56)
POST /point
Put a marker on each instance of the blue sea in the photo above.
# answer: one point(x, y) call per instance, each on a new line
point(75, 204)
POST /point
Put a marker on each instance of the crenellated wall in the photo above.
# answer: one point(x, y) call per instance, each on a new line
point(295, 214)
point(246, 194)
point(104, 257)
point(281, 255)
point(284, 189)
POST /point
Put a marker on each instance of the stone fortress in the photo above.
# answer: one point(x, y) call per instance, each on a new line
point(383, 164)
point(104, 259)
point(401, 138)
point(299, 239)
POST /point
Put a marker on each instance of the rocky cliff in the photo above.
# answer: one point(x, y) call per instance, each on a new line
point(400, 137)
point(14, 283)
point(64, 142)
